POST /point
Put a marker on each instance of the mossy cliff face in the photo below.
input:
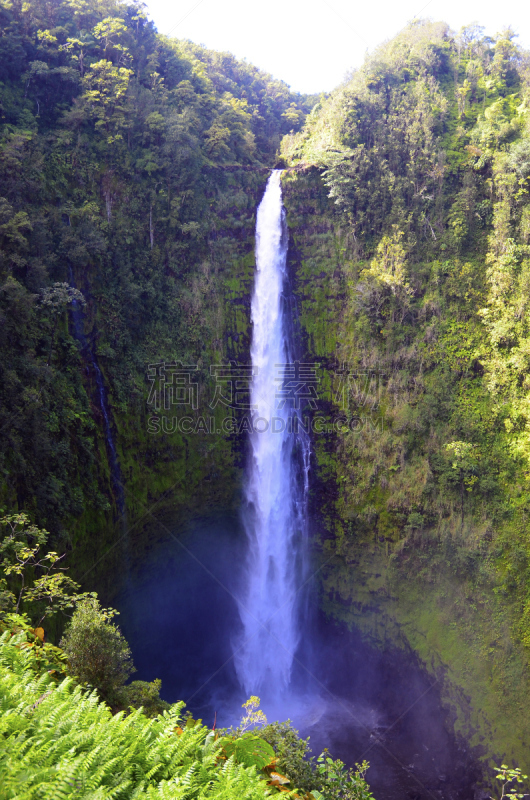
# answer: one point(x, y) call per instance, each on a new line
point(399, 560)
point(408, 201)
point(131, 166)
point(187, 458)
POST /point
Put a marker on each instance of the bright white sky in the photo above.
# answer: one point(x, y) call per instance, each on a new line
point(311, 44)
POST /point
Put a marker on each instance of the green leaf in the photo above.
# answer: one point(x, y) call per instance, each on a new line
point(250, 751)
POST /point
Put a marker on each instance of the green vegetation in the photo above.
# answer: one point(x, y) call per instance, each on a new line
point(32, 579)
point(130, 169)
point(508, 776)
point(97, 652)
point(71, 726)
point(290, 754)
point(60, 741)
point(323, 776)
point(408, 210)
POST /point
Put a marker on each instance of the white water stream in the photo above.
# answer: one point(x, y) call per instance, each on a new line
point(275, 514)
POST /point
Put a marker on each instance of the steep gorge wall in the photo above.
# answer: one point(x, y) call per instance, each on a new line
point(395, 562)
point(180, 459)
point(131, 166)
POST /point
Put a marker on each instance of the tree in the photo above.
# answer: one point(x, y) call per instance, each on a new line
point(144, 695)
point(388, 266)
point(386, 279)
point(54, 300)
point(33, 582)
point(507, 776)
point(105, 98)
point(98, 652)
point(107, 32)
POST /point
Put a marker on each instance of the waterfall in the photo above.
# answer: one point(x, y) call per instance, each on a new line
point(114, 464)
point(111, 447)
point(276, 485)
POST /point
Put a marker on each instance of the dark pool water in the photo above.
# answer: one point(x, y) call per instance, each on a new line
point(180, 617)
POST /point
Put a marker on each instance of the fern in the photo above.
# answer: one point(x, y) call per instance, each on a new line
point(60, 741)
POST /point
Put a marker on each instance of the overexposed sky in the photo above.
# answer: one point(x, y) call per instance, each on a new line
point(311, 44)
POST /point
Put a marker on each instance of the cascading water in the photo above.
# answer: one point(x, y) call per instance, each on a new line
point(275, 515)
point(79, 331)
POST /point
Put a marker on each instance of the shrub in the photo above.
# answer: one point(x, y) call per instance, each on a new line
point(292, 752)
point(141, 694)
point(325, 779)
point(97, 651)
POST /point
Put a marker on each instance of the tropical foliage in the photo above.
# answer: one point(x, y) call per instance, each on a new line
point(97, 651)
point(130, 167)
point(62, 741)
point(32, 579)
point(409, 211)
point(69, 759)
point(59, 741)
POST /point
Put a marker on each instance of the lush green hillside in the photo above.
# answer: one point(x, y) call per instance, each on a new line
point(410, 224)
point(131, 166)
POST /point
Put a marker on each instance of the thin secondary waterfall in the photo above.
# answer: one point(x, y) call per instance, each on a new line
point(79, 333)
point(277, 475)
